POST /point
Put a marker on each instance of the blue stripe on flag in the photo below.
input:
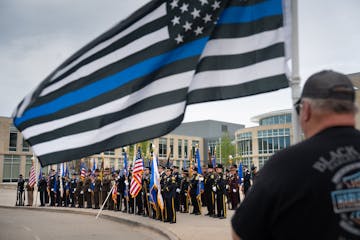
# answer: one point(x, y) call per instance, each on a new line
point(251, 13)
point(112, 82)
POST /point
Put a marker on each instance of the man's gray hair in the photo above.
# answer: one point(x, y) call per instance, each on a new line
point(333, 105)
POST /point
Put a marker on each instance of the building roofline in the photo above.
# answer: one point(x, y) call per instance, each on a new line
point(211, 120)
point(256, 119)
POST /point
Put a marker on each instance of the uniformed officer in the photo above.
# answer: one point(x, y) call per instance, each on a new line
point(73, 185)
point(52, 186)
point(145, 191)
point(184, 194)
point(42, 185)
point(20, 191)
point(87, 189)
point(105, 188)
point(169, 193)
point(80, 192)
point(209, 194)
point(177, 176)
point(97, 189)
point(193, 192)
point(66, 194)
point(162, 175)
point(220, 189)
point(233, 183)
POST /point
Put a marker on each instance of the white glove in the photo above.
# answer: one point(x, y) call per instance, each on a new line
point(89, 190)
point(178, 190)
point(227, 186)
point(52, 189)
point(234, 190)
point(214, 189)
point(74, 189)
point(201, 178)
point(185, 194)
point(126, 182)
point(81, 192)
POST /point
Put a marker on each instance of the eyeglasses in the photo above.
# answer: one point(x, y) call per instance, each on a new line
point(298, 105)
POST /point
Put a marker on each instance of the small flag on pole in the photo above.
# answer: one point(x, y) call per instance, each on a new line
point(136, 180)
point(155, 187)
point(32, 176)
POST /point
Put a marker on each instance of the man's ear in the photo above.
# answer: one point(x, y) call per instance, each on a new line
point(306, 111)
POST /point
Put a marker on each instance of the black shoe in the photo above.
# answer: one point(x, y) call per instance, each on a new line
point(197, 213)
point(171, 222)
point(222, 217)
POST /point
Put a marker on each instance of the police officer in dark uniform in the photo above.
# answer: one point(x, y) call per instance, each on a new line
point(97, 189)
point(20, 191)
point(145, 191)
point(42, 187)
point(184, 194)
point(220, 189)
point(193, 192)
point(177, 176)
point(169, 193)
point(52, 184)
point(162, 175)
point(80, 192)
point(105, 188)
point(233, 182)
point(73, 185)
point(87, 189)
point(209, 194)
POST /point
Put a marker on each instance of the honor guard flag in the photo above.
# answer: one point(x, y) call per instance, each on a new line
point(133, 82)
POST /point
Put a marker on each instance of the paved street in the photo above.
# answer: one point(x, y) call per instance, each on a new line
point(31, 224)
point(187, 226)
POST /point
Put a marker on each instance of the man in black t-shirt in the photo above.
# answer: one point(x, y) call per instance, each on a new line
point(310, 190)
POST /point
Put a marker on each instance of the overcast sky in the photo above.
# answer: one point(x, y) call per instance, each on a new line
point(38, 35)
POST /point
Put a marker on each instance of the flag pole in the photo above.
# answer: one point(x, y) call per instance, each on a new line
point(295, 76)
point(37, 178)
point(102, 206)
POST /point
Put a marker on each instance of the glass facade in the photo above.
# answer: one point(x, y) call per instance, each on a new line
point(186, 155)
point(244, 142)
point(179, 148)
point(262, 161)
point(272, 140)
point(25, 146)
point(11, 169)
point(162, 147)
point(194, 144)
point(110, 152)
point(247, 161)
point(28, 166)
point(171, 147)
point(278, 119)
point(13, 141)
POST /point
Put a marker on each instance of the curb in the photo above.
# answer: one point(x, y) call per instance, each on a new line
point(168, 234)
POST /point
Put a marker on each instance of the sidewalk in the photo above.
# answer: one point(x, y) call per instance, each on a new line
point(187, 226)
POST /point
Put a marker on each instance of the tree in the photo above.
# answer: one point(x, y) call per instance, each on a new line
point(227, 149)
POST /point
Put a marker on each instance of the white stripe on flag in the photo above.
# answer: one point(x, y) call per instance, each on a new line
point(131, 48)
point(153, 116)
point(162, 85)
point(157, 13)
point(231, 46)
point(222, 78)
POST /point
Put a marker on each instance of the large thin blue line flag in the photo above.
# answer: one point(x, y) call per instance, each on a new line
point(134, 82)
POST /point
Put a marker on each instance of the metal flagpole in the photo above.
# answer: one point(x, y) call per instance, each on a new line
point(37, 178)
point(291, 19)
point(102, 206)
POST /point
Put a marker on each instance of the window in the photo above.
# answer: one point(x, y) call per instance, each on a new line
point(186, 149)
point(179, 148)
point(25, 146)
point(112, 163)
point(224, 128)
point(28, 166)
point(110, 152)
point(162, 147)
point(11, 169)
point(13, 141)
point(194, 144)
point(171, 148)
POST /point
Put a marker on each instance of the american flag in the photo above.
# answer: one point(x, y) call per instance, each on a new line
point(32, 177)
point(135, 185)
point(165, 56)
point(82, 170)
